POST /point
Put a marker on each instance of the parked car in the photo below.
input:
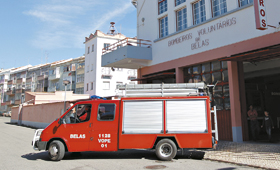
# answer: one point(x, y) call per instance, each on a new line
point(7, 114)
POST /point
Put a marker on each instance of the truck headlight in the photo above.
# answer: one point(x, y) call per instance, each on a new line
point(39, 132)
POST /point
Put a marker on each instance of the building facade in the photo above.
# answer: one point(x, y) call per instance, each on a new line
point(220, 42)
point(37, 78)
point(71, 70)
point(4, 77)
point(103, 81)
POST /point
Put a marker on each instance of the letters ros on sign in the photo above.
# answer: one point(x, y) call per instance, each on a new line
point(260, 14)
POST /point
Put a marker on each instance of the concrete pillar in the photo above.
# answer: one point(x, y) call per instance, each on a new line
point(235, 104)
point(179, 75)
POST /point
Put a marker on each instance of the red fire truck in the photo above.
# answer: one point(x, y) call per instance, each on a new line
point(164, 117)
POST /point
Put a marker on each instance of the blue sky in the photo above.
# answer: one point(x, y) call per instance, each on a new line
point(31, 30)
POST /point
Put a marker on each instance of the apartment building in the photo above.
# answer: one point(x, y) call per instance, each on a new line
point(16, 86)
point(66, 70)
point(233, 44)
point(4, 77)
point(37, 78)
point(103, 81)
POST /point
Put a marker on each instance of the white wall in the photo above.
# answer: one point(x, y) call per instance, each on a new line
point(96, 74)
point(242, 28)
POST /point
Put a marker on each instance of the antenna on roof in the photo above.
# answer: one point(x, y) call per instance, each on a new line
point(112, 29)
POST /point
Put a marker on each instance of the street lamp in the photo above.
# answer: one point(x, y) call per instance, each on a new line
point(65, 82)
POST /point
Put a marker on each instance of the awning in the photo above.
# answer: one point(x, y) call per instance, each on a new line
point(156, 76)
point(258, 55)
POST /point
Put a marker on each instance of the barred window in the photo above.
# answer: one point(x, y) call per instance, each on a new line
point(199, 12)
point(163, 27)
point(178, 2)
point(181, 17)
point(162, 6)
point(244, 2)
point(219, 7)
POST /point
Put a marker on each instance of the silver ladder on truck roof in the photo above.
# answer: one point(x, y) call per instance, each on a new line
point(162, 90)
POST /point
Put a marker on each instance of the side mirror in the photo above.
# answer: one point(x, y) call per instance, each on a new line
point(60, 121)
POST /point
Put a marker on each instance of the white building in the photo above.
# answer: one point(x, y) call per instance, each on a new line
point(102, 81)
point(4, 77)
point(232, 43)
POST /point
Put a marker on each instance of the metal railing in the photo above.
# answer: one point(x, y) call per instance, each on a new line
point(125, 42)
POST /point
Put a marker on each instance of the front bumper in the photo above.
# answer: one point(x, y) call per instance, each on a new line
point(42, 145)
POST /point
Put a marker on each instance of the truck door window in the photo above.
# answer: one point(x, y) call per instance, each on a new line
point(79, 113)
point(106, 112)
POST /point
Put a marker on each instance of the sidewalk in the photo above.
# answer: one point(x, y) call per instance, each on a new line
point(254, 154)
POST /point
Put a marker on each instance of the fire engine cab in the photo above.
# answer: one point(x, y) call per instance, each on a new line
point(164, 117)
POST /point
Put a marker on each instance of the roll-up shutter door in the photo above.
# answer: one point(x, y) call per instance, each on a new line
point(144, 117)
point(188, 116)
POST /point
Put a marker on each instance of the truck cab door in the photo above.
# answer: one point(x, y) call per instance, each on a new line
point(105, 126)
point(76, 128)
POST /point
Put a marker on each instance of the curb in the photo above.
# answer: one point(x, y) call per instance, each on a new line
point(240, 164)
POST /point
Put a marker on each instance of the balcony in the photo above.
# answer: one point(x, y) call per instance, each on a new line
point(52, 89)
point(11, 91)
point(11, 82)
point(2, 81)
point(54, 76)
point(20, 80)
point(127, 53)
point(19, 90)
point(11, 102)
point(16, 102)
point(30, 79)
point(42, 77)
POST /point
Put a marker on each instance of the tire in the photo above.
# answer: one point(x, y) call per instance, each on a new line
point(166, 149)
point(56, 150)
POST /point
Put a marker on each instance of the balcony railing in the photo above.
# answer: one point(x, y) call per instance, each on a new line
point(10, 82)
point(125, 42)
point(30, 79)
point(11, 91)
point(54, 76)
point(42, 77)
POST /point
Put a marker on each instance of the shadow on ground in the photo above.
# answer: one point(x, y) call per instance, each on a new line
point(125, 154)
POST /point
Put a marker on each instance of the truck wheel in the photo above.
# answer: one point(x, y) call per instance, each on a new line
point(166, 149)
point(56, 150)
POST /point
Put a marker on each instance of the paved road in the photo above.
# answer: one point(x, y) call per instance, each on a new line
point(16, 153)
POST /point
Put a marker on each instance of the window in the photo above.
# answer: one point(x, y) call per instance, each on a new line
point(118, 84)
point(219, 7)
point(162, 6)
point(106, 112)
point(181, 17)
point(81, 66)
point(80, 90)
point(211, 73)
point(92, 67)
point(199, 12)
point(80, 78)
point(106, 45)
point(163, 27)
point(87, 86)
point(92, 48)
point(91, 86)
point(67, 68)
point(88, 49)
point(106, 85)
point(87, 68)
point(178, 2)
point(79, 113)
point(244, 2)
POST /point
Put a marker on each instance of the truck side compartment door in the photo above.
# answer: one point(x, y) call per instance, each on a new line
point(105, 127)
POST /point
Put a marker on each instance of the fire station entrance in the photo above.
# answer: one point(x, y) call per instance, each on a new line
point(262, 87)
point(261, 77)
